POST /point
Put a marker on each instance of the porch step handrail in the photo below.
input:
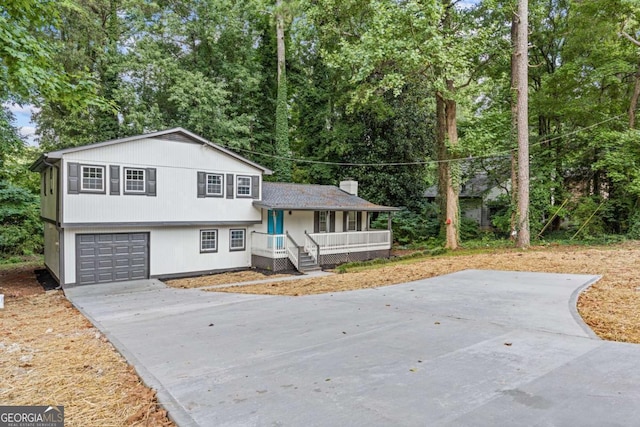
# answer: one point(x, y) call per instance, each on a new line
point(312, 247)
point(293, 251)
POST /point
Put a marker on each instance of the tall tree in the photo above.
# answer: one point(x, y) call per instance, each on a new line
point(433, 45)
point(522, 114)
point(282, 149)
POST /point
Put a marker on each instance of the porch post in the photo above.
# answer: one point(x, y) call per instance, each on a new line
point(390, 232)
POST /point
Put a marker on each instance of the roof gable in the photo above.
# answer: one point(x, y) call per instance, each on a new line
point(175, 134)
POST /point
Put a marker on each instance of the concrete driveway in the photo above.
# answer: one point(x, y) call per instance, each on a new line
point(474, 348)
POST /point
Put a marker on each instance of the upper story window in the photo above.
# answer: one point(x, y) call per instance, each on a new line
point(244, 186)
point(352, 221)
point(92, 178)
point(214, 184)
point(134, 180)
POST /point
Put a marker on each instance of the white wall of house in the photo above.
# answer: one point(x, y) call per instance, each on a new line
point(172, 250)
point(52, 249)
point(177, 165)
point(48, 192)
point(297, 223)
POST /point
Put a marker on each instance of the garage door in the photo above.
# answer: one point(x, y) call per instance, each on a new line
point(102, 258)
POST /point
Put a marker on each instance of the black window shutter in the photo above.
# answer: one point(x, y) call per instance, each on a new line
point(151, 181)
point(359, 221)
point(316, 222)
point(345, 220)
point(255, 187)
point(202, 177)
point(73, 181)
point(114, 180)
point(332, 221)
point(229, 186)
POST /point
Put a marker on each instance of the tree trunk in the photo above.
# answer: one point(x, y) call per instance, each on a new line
point(524, 239)
point(634, 100)
point(443, 164)
point(282, 167)
point(448, 172)
point(514, 127)
point(280, 40)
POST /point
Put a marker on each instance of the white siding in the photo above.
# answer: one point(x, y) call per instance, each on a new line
point(48, 193)
point(52, 249)
point(173, 250)
point(297, 223)
point(177, 165)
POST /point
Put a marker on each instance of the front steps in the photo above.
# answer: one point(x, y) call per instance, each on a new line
point(307, 264)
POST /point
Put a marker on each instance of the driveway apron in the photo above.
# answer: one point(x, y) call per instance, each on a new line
point(473, 348)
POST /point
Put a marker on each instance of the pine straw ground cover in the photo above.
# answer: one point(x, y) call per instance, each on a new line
point(222, 279)
point(51, 355)
point(611, 307)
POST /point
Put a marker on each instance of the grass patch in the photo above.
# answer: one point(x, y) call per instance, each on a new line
point(21, 261)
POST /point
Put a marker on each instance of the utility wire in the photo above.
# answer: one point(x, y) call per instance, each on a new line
point(503, 153)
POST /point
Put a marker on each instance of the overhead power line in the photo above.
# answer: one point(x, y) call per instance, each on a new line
point(503, 153)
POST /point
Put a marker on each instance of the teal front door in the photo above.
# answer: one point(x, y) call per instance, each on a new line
point(275, 225)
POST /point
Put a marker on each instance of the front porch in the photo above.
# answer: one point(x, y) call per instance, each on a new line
point(279, 252)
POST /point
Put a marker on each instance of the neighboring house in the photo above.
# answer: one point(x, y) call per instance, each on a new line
point(170, 204)
point(475, 195)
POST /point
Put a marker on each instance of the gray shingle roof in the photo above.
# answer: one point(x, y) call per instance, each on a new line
point(310, 197)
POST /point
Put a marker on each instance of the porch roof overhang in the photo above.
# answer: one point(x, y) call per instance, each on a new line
point(312, 197)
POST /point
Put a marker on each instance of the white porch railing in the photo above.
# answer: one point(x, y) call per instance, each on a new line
point(293, 251)
point(283, 246)
point(269, 245)
point(356, 241)
point(311, 247)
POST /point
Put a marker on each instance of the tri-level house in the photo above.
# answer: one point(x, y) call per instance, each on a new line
point(171, 204)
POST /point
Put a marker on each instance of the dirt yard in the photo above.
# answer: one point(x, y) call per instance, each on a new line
point(50, 354)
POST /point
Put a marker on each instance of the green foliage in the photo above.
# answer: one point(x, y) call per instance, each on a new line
point(20, 226)
point(28, 67)
point(469, 229)
point(583, 217)
point(345, 268)
point(412, 226)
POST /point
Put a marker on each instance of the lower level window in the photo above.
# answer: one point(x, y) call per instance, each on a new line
point(208, 240)
point(237, 240)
